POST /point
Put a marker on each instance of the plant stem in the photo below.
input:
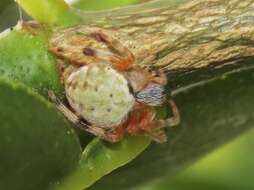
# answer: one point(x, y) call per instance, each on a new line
point(184, 36)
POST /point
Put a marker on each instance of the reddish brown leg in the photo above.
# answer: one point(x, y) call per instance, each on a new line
point(133, 123)
point(147, 118)
point(158, 136)
point(175, 119)
point(123, 58)
point(152, 127)
point(60, 66)
point(142, 121)
point(116, 135)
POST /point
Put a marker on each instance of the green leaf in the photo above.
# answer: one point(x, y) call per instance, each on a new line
point(100, 158)
point(218, 170)
point(8, 11)
point(37, 145)
point(101, 5)
point(24, 57)
point(4, 4)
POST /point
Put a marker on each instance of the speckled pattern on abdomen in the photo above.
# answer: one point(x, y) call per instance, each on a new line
point(99, 94)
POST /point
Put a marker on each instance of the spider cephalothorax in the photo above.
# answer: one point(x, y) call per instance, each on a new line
point(108, 93)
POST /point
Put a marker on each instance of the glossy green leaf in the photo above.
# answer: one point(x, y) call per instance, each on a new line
point(229, 168)
point(8, 11)
point(24, 57)
point(37, 145)
point(102, 4)
point(100, 158)
point(4, 4)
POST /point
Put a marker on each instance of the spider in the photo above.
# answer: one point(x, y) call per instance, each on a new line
point(108, 94)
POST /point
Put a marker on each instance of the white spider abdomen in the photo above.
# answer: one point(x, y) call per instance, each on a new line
point(99, 94)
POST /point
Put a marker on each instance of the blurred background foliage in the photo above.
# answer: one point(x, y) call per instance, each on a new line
point(229, 168)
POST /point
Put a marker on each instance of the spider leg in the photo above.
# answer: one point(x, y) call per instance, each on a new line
point(151, 127)
point(115, 135)
point(123, 58)
point(175, 119)
point(157, 133)
point(74, 118)
point(141, 123)
point(158, 136)
point(60, 66)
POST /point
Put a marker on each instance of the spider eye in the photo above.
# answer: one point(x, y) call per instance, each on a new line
point(152, 95)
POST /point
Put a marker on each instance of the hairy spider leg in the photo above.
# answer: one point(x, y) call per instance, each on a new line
point(175, 119)
point(124, 57)
point(141, 122)
point(158, 134)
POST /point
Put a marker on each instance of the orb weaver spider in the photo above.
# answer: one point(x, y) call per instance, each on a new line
point(108, 94)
